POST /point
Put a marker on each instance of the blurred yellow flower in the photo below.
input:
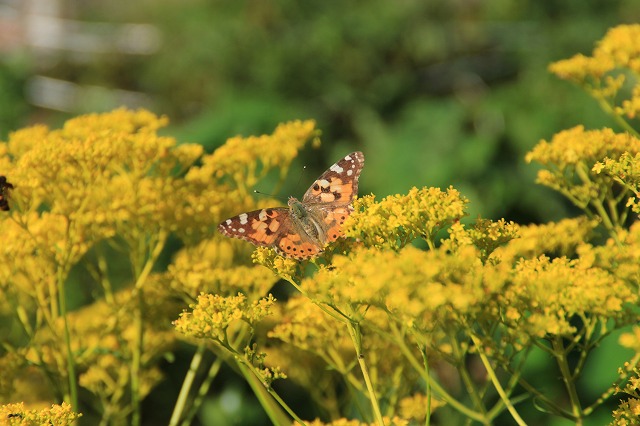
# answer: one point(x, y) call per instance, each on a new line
point(612, 65)
point(247, 160)
point(209, 267)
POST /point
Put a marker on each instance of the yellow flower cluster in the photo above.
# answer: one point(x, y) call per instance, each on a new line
point(572, 162)
point(423, 289)
point(281, 266)
point(99, 175)
point(247, 160)
point(19, 415)
point(620, 255)
point(212, 315)
point(484, 234)
point(554, 238)
point(413, 407)
point(626, 171)
point(432, 291)
point(617, 51)
point(208, 268)
point(628, 411)
point(399, 219)
point(545, 294)
point(578, 146)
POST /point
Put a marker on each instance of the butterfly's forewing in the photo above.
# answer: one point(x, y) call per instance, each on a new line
point(339, 184)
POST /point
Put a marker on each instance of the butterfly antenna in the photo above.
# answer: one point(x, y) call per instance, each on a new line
point(302, 173)
point(277, 197)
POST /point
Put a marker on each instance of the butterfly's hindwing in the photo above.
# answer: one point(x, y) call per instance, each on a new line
point(260, 227)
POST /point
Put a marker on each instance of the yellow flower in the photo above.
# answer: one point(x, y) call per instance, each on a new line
point(421, 289)
point(103, 174)
point(573, 166)
point(631, 107)
point(625, 169)
point(399, 219)
point(573, 146)
point(247, 160)
point(561, 238)
point(484, 234)
point(580, 68)
point(414, 406)
point(617, 52)
point(620, 256)
point(19, 415)
point(212, 315)
point(618, 49)
point(209, 267)
point(622, 45)
point(553, 291)
point(281, 266)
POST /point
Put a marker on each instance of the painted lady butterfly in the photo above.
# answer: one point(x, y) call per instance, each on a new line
point(303, 229)
point(4, 192)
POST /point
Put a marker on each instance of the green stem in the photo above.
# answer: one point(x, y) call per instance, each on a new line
point(202, 391)
point(584, 175)
point(561, 358)
point(356, 337)
point(206, 383)
point(181, 402)
point(266, 395)
point(606, 106)
point(443, 394)
point(460, 356)
point(425, 359)
point(141, 273)
point(496, 382)
point(335, 313)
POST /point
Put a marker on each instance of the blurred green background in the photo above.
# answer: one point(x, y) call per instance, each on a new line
point(434, 92)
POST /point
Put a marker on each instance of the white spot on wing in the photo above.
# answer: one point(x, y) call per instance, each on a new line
point(336, 168)
point(348, 158)
point(243, 218)
point(228, 221)
point(323, 183)
point(262, 215)
point(241, 230)
point(349, 172)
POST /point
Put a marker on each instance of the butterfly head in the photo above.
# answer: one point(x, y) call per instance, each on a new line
point(297, 208)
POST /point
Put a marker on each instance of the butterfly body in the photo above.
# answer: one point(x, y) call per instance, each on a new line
point(301, 230)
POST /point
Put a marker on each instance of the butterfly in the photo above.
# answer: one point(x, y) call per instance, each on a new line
point(4, 193)
point(301, 230)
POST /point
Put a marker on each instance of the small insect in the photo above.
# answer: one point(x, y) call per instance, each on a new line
point(302, 230)
point(4, 193)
